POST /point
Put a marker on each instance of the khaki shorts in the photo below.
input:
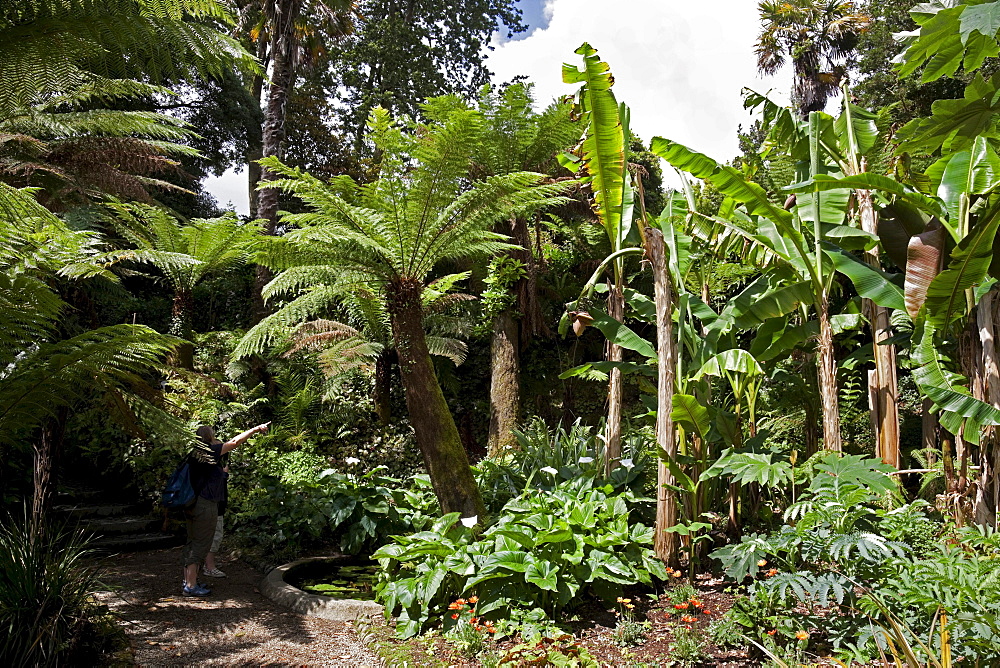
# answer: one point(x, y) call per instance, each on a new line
point(201, 522)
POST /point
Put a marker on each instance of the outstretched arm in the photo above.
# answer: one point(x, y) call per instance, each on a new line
point(234, 442)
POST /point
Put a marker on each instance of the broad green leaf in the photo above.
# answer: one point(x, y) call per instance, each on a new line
point(955, 124)
point(870, 283)
point(688, 412)
point(543, 574)
point(618, 333)
point(897, 223)
point(972, 171)
point(734, 360)
point(870, 181)
point(770, 296)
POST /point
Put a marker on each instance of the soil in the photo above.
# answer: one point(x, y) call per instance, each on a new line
point(235, 626)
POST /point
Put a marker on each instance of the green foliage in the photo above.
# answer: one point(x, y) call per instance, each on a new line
point(503, 272)
point(688, 647)
point(556, 649)
point(357, 511)
point(46, 589)
point(545, 552)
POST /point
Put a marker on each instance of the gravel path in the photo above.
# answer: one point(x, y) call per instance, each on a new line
point(236, 626)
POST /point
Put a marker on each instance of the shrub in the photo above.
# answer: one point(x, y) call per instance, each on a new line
point(545, 552)
point(45, 595)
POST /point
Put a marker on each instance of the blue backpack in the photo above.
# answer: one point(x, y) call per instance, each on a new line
point(179, 493)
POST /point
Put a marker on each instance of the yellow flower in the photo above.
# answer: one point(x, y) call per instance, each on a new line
point(802, 635)
point(762, 563)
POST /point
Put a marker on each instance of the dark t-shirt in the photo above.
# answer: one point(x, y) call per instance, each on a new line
point(207, 476)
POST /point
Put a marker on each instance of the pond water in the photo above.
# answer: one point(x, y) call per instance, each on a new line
point(356, 581)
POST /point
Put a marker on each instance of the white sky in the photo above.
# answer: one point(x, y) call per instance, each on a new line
point(680, 66)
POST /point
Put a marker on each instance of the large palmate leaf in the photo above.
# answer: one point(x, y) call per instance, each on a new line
point(954, 124)
point(959, 411)
point(949, 37)
point(967, 267)
point(923, 262)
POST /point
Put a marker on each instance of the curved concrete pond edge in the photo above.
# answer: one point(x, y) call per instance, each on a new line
point(275, 588)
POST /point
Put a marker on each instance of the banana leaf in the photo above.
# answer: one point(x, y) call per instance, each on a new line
point(869, 181)
point(774, 294)
point(616, 332)
point(870, 283)
point(973, 171)
point(689, 413)
point(923, 261)
point(945, 301)
point(898, 222)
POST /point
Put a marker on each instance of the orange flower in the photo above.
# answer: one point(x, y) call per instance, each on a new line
point(687, 618)
point(460, 601)
point(455, 606)
point(669, 569)
point(706, 611)
point(771, 573)
point(772, 632)
point(490, 629)
point(472, 611)
point(474, 620)
point(695, 602)
point(681, 606)
point(762, 563)
point(454, 615)
point(473, 599)
point(802, 635)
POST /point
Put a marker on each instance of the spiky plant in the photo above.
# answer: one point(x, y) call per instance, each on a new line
point(387, 237)
point(185, 253)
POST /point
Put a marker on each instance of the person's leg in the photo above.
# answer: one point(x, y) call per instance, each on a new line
point(201, 530)
point(210, 568)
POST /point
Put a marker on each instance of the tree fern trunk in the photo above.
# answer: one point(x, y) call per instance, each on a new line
point(433, 424)
point(47, 449)
point(181, 325)
point(505, 383)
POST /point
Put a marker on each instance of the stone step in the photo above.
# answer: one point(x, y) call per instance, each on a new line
point(84, 511)
point(136, 542)
point(117, 525)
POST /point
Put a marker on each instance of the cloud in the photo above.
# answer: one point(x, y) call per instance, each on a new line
point(679, 65)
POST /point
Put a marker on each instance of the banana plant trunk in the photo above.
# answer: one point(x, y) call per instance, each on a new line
point(665, 543)
point(985, 508)
point(882, 383)
point(613, 429)
point(826, 370)
point(283, 40)
point(433, 424)
point(505, 384)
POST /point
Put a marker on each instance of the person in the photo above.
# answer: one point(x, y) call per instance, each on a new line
point(208, 478)
point(211, 569)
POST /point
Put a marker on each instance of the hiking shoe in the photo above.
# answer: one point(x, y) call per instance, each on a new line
point(214, 573)
point(196, 590)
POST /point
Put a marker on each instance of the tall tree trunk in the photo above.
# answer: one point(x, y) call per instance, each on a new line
point(47, 450)
point(664, 543)
point(255, 148)
point(181, 325)
point(282, 49)
point(383, 385)
point(613, 429)
point(505, 383)
point(883, 387)
point(433, 424)
point(928, 430)
point(826, 370)
point(985, 508)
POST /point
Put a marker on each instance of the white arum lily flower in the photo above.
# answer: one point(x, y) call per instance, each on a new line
point(351, 461)
point(586, 460)
point(627, 463)
point(470, 521)
point(549, 470)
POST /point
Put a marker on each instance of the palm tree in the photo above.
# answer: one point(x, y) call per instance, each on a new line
point(288, 35)
point(517, 139)
point(388, 237)
point(818, 36)
point(186, 254)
